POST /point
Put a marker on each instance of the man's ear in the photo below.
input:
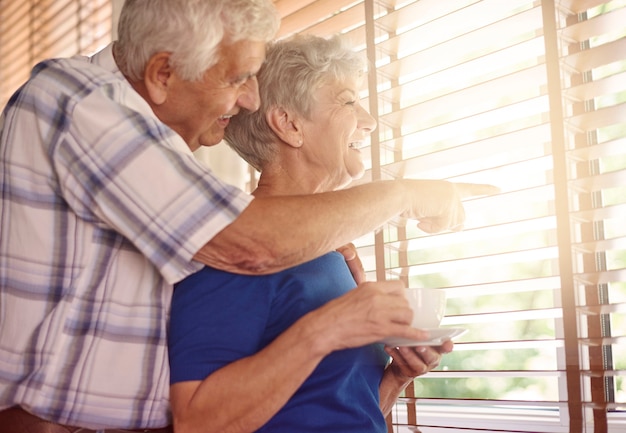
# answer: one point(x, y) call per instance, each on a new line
point(285, 126)
point(157, 76)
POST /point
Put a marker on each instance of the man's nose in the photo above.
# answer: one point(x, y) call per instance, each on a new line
point(249, 97)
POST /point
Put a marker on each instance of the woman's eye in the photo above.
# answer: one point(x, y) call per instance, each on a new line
point(351, 103)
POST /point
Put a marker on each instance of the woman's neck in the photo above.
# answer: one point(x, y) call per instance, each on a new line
point(278, 180)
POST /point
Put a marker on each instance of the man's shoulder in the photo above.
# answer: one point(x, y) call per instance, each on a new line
point(75, 71)
point(60, 84)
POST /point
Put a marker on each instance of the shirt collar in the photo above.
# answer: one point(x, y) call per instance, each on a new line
point(104, 58)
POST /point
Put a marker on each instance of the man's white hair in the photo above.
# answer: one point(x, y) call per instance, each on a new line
point(191, 30)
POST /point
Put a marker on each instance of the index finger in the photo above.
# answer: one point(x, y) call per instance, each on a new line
point(388, 286)
point(467, 190)
point(392, 288)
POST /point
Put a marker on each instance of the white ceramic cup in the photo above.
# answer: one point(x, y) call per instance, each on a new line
point(428, 305)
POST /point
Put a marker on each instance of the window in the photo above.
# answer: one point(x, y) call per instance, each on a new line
point(530, 96)
point(33, 30)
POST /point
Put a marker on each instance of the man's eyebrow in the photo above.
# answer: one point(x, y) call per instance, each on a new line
point(243, 77)
point(352, 92)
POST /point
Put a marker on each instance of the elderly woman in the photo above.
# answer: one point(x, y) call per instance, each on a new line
point(294, 351)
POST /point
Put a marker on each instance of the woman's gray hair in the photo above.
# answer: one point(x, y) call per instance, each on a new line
point(294, 68)
point(189, 29)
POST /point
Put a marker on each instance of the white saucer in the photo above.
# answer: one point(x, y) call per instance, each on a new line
point(437, 337)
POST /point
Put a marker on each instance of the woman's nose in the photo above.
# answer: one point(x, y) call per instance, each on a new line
point(366, 121)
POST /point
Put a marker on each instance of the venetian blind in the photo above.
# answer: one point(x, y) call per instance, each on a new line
point(32, 30)
point(530, 96)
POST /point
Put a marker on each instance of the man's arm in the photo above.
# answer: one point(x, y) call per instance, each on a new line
point(278, 232)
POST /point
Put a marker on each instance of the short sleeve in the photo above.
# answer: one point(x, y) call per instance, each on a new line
point(216, 318)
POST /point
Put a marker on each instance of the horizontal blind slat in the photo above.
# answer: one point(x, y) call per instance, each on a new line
point(589, 59)
point(310, 14)
point(609, 85)
point(600, 277)
point(619, 307)
point(599, 25)
point(426, 61)
point(599, 182)
point(597, 118)
point(579, 6)
point(598, 214)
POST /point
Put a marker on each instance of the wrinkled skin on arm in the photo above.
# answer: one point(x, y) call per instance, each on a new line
point(277, 232)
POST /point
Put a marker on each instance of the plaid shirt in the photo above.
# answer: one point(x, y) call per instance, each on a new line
point(101, 209)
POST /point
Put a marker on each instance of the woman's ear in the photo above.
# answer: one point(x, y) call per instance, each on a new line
point(157, 76)
point(285, 126)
